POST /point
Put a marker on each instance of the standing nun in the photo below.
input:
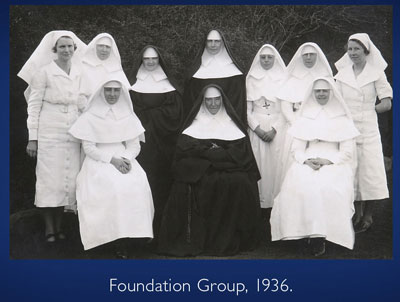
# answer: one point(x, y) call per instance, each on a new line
point(214, 207)
point(157, 102)
point(215, 64)
point(113, 194)
point(308, 63)
point(102, 60)
point(264, 118)
point(361, 80)
point(54, 98)
point(316, 198)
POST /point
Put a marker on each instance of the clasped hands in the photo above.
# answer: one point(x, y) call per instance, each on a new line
point(266, 136)
point(122, 164)
point(317, 163)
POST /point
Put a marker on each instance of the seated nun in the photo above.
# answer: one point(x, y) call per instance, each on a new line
point(308, 63)
point(214, 206)
point(101, 61)
point(215, 64)
point(113, 195)
point(157, 102)
point(316, 199)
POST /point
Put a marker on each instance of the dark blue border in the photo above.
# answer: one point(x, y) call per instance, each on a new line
point(81, 280)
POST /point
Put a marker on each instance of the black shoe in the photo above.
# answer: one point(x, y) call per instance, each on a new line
point(121, 254)
point(363, 226)
point(318, 246)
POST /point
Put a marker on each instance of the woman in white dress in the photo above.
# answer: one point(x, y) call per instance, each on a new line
point(54, 98)
point(102, 60)
point(113, 194)
point(263, 116)
point(361, 79)
point(308, 63)
point(316, 198)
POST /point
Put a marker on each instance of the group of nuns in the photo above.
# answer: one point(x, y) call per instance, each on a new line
point(189, 171)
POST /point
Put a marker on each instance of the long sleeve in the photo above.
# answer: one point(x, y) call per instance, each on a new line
point(84, 92)
point(251, 120)
point(287, 111)
point(298, 150)
point(95, 153)
point(35, 102)
point(132, 149)
point(345, 153)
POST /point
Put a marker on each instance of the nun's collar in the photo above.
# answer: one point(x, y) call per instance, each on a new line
point(158, 74)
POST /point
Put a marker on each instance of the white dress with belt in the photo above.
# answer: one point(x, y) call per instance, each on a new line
point(360, 95)
point(52, 108)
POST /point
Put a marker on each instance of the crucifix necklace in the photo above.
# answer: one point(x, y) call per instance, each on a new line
point(266, 104)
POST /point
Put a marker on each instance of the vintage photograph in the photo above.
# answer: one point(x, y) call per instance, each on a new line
point(201, 132)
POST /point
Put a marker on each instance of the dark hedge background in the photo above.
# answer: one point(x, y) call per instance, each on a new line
point(177, 31)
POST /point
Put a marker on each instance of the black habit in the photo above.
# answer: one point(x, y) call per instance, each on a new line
point(214, 206)
point(161, 116)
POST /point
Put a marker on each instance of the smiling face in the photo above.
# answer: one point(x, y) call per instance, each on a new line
point(112, 91)
point(65, 48)
point(322, 96)
point(322, 91)
point(213, 100)
point(214, 42)
point(150, 59)
point(356, 52)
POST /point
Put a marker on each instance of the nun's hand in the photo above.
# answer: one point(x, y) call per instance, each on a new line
point(323, 161)
point(269, 135)
point(120, 165)
point(312, 163)
point(260, 133)
point(31, 148)
point(128, 164)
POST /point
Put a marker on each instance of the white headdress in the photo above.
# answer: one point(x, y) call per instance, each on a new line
point(155, 81)
point(330, 122)
point(374, 58)
point(296, 66)
point(219, 65)
point(44, 54)
point(218, 126)
point(112, 63)
point(265, 82)
point(299, 76)
point(95, 125)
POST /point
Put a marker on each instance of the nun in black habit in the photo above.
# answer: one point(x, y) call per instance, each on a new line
point(215, 64)
point(214, 206)
point(157, 102)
